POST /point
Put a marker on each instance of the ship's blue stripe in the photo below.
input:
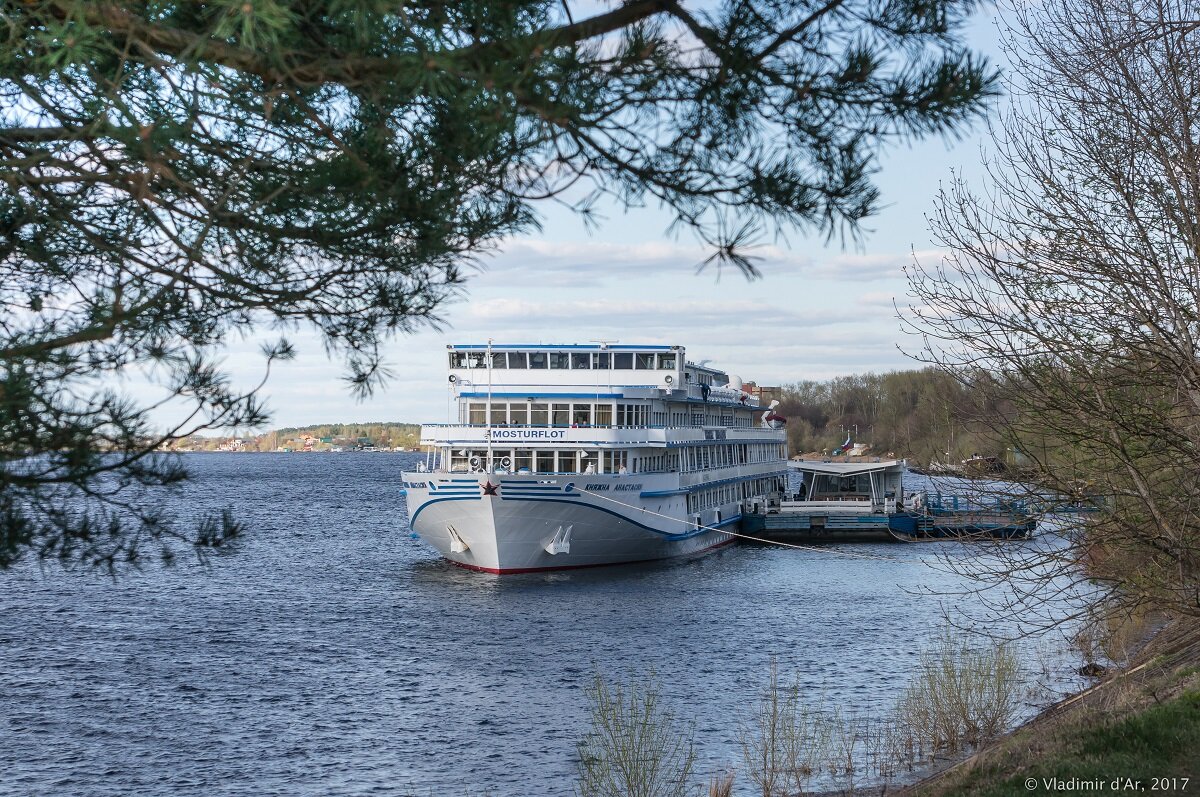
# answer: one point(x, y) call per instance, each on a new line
point(665, 535)
point(526, 395)
point(556, 347)
point(551, 491)
point(504, 443)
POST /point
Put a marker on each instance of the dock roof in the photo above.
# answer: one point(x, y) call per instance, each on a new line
point(845, 468)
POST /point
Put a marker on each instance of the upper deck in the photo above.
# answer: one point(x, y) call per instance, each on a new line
point(595, 371)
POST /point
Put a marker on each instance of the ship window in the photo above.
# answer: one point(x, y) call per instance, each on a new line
point(539, 414)
point(499, 359)
point(586, 461)
point(604, 415)
point(581, 414)
point(516, 359)
point(632, 415)
point(581, 361)
point(666, 362)
point(537, 359)
point(500, 413)
point(478, 414)
point(601, 360)
point(518, 413)
point(560, 360)
point(476, 359)
point(561, 415)
point(623, 361)
point(523, 460)
point(545, 462)
point(645, 360)
point(458, 359)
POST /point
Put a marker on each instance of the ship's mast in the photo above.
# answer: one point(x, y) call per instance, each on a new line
point(491, 468)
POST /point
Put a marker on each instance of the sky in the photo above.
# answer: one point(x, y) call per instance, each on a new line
point(820, 310)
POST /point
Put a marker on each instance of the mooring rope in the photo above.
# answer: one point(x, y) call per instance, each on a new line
point(744, 536)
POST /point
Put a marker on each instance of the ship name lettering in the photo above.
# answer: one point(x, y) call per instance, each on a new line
point(628, 487)
point(527, 434)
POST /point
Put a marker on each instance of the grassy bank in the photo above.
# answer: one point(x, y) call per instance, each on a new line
point(1136, 732)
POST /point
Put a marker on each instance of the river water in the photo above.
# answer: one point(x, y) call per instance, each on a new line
point(333, 654)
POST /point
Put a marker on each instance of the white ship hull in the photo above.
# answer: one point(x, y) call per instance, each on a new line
point(520, 523)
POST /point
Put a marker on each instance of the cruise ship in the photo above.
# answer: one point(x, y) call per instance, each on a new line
point(584, 455)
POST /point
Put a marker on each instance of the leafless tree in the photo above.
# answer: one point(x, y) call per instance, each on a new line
point(1071, 296)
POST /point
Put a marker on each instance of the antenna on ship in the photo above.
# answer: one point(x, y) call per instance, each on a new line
point(490, 467)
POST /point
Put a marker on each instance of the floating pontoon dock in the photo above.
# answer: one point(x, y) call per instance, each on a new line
point(835, 501)
point(864, 501)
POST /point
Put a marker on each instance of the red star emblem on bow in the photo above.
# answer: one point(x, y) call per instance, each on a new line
point(489, 488)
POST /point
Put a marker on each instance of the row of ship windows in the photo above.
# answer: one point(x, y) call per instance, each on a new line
point(728, 493)
point(692, 458)
point(525, 413)
point(554, 461)
point(708, 457)
point(564, 360)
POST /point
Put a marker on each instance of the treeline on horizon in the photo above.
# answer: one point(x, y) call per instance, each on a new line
point(922, 414)
point(389, 434)
point(381, 431)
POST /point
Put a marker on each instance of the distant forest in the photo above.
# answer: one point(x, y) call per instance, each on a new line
point(381, 435)
point(919, 414)
point(318, 437)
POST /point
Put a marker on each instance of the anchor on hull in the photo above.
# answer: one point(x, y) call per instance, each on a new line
point(561, 542)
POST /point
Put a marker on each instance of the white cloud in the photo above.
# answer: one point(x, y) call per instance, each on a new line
point(868, 267)
point(583, 264)
point(641, 314)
